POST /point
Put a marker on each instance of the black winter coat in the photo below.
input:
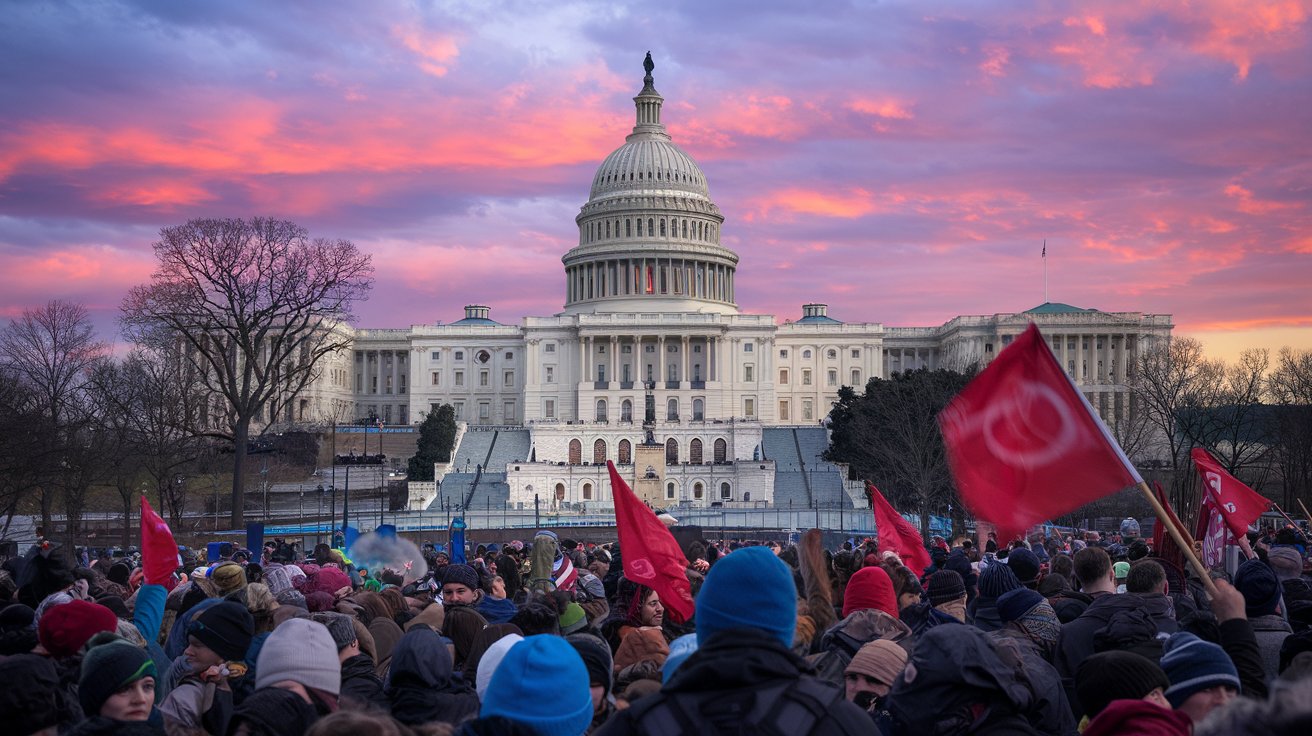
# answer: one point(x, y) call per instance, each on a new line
point(361, 684)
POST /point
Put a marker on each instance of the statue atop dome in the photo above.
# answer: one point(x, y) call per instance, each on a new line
point(648, 64)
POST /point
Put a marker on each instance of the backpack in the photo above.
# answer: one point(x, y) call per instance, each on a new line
point(782, 708)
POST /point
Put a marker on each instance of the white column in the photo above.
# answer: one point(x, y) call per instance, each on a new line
point(685, 376)
point(614, 358)
point(396, 373)
point(660, 359)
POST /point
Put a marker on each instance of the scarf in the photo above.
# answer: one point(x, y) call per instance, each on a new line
point(1040, 624)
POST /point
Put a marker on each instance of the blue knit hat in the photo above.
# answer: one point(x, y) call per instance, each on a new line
point(542, 682)
point(1194, 665)
point(680, 649)
point(1015, 603)
point(750, 588)
point(997, 578)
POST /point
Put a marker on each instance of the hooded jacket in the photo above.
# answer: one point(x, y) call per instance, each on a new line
point(1076, 643)
point(733, 665)
point(841, 641)
point(360, 683)
point(422, 685)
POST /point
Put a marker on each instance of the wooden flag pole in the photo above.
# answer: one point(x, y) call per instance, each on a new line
point(1305, 513)
point(1186, 549)
point(1173, 520)
point(1276, 506)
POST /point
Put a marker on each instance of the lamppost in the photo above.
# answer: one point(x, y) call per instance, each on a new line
point(318, 517)
point(300, 505)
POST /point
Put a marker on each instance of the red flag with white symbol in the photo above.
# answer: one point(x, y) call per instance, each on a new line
point(651, 555)
point(1024, 445)
point(1238, 504)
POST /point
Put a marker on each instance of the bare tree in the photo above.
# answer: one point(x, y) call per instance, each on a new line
point(1233, 424)
point(255, 303)
point(1170, 379)
point(1290, 389)
point(49, 351)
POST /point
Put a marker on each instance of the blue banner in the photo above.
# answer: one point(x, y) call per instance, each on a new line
point(458, 540)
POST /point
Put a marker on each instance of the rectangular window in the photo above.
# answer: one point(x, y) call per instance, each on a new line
point(671, 348)
point(651, 349)
point(549, 409)
point(747, 347)
point(551, 374)
point(783, 377)
point(460, 410)
point(482, 378)
point(460, 355)
point(435, 355)
point(807, 413)
point(749, 373)
point(437, 378)
point(549, 347)
point(856, 353)
point(749, 407)
point(833, 378)
point(806, 378)
point(510, 355)
point(508, 411)
point(509, 379)
point(484, 410)
point(601, 348)
point(460, 378)
point(696, 348)
point(783, 411)
point(783, 353)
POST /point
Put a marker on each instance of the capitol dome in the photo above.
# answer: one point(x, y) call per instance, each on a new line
point(649, 235)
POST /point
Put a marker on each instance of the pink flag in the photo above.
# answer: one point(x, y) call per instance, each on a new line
point(651, 555)
point(1238, 504)
point(1024, 445)
point(1214, 533)
point(896, 533)
point(159, 553)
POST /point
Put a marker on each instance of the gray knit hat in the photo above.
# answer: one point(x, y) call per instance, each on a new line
point(302, 651)
point(339, 625)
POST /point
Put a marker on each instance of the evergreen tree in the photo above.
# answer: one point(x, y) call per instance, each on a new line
point(437, 439)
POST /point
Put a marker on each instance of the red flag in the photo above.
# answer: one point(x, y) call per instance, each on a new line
point(1024, 444)
point(896, 533)
point(651, 556)
point(1238, 504)
point(159, 553)
point(1164, 545)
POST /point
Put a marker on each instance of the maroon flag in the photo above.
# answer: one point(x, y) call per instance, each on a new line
point(159, 553)
point(1237, 504)
point(651, 555)
point(1212, 532)
point(1024, 444)
point(896, 533)
point(1164, 545)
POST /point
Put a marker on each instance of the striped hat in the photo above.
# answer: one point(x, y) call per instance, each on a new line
point(1193, 665)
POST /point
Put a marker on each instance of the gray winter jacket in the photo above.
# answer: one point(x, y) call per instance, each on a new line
point(1270, 632)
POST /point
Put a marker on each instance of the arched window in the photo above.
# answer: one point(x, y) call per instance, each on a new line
point(601, 410)
point(560, 491)
point(626, 411)
point(698, 410)
point(662, 227)
point(747, 495)
point(628, 228)
point(626, 452)
point(671, 452)
point(698, 490)
point(721, 450)
point(608, 228)
point(685, 229)
point(599, 452)
point(587, 491)
point(726, 492)
point(695, 452)
point(672, 410)
point(575, 452)
point(856, 378)
point(651, 226)
point(640, 227)
point(832, 354)
point(669, 490)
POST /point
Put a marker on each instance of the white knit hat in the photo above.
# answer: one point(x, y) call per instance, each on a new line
point(491, 658)
point(302, 651)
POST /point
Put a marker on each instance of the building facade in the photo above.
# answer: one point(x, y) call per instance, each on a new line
point(650, 314)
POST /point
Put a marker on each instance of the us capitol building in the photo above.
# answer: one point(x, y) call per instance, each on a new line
point(651, 334)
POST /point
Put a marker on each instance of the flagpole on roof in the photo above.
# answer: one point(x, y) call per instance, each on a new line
point(1045, 270)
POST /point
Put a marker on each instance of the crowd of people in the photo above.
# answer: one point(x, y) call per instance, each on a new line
point(1059, 634)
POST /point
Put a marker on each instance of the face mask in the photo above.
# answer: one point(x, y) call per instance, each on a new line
point(865, 700)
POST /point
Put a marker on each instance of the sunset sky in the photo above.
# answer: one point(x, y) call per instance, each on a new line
point(903, 161)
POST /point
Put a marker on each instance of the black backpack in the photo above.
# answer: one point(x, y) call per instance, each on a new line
point(782, 708)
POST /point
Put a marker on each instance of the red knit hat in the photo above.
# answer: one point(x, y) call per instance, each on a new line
point(870, 587)
point(65, 628)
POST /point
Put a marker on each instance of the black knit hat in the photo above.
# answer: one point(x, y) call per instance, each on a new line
point(461, 575)
point(29, 700)
point(17, 629)
point(1025, 564)
point(596, 657)
point(110, 664)
point(1116, 675)
point(944, 586)
point(119, 573)
point(226, 628)
point(274, 710)
point(1261, 590)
